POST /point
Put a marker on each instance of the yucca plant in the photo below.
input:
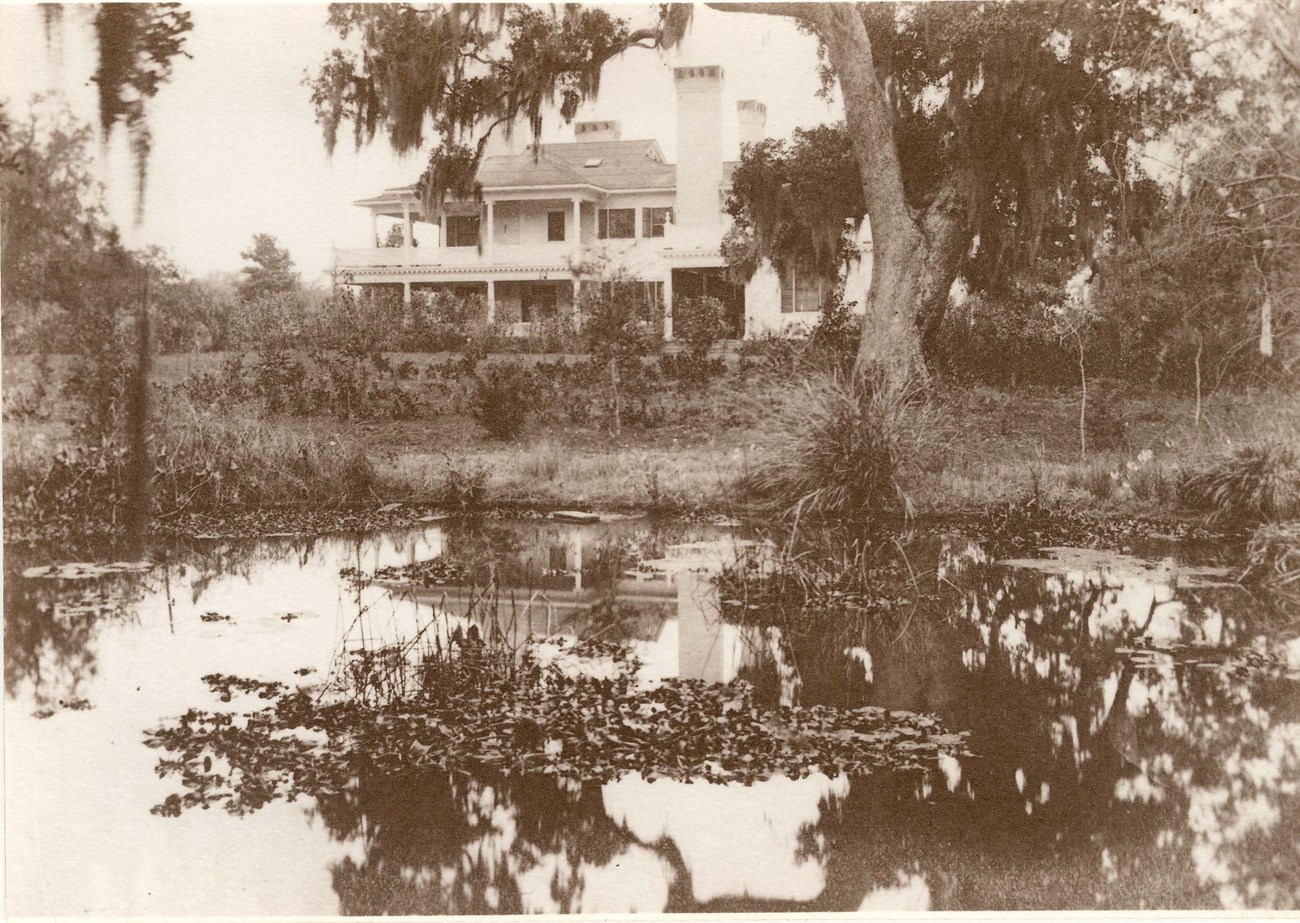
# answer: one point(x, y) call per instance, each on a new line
point(835, 449)
point(1255, 483)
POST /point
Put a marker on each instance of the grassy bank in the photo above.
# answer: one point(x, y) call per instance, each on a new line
point(688, 448)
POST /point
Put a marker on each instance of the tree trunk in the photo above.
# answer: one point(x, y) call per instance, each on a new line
point(914, 255)
point(139, 470)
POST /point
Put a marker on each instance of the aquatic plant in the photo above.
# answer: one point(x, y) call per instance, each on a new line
point(831, 579)
point(571, 710)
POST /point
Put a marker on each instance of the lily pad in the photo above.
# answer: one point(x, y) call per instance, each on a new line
point(538, 718)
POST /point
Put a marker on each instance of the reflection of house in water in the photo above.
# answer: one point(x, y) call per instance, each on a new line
point(575, 581)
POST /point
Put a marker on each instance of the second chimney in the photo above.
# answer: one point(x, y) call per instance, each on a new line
point(752, 116)
point(597, 131)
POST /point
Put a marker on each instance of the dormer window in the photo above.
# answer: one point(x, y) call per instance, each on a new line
point(594, 161)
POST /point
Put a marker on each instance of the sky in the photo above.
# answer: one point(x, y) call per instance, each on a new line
point(237, 150)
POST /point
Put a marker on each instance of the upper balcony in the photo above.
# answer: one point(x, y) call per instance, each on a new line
point(502, 256)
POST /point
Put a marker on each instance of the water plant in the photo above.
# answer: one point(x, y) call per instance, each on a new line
point(568, 709)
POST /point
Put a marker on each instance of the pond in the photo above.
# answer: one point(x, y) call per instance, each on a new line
point(1129, 726)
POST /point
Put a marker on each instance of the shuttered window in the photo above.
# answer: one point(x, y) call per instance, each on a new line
point(802, 291)
point(612, 223)
point(653, 221)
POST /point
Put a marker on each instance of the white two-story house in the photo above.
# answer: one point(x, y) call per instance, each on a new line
point(554, 218)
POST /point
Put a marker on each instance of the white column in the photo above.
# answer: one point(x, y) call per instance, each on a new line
point(668, 304)
point(406, 234)
point(577, 225)
point(490, 239)
point(406, 293)
point(491, 293)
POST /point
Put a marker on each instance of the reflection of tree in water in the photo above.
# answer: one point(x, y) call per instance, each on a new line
point(437, 843)
point(50, 629)
point(1104, 778)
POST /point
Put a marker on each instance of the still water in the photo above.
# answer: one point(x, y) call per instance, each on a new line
point(1135, 725)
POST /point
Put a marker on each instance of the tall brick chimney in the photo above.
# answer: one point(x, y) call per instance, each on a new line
point(752, 118)
point(699, 146)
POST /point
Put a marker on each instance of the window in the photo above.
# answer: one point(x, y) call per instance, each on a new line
point(462, 230)
point(555, 225)
point(616, 223)
point(802, 291)
point(653, 221)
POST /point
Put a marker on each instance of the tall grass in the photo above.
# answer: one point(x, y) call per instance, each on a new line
point(202, 462)
point(1256, 483)
point(836, 446)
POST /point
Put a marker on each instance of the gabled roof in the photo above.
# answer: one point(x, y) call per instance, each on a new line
point(526, 170)
point(623, 165)
point(616, 165)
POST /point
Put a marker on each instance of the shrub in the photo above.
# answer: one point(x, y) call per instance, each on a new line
point(500, 399)
point(463, 489)
point(833, 342)
point(1256, 483)
point(836, 444)
point(698, 323)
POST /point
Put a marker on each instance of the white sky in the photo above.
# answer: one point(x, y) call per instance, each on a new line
point(237, 150)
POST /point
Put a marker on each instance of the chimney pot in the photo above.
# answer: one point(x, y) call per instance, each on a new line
point(601, 130)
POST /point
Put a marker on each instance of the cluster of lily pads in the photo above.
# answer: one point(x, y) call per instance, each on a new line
point(434, 572)
point(575, 711)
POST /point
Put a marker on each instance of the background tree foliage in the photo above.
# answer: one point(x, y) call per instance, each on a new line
point(1033, 111)
point(1017, 106)
point(792, 202)
point(269, 270)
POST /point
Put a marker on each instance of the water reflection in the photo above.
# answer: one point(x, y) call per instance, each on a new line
point(1136, 732)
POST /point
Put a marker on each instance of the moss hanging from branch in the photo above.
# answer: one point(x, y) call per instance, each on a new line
point(794, 203)
point(460, 71)
point(1029, 108)
point(137, 44)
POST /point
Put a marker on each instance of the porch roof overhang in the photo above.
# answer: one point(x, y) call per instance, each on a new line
point(693, 257)
point(537, 271)
point(546, 191)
